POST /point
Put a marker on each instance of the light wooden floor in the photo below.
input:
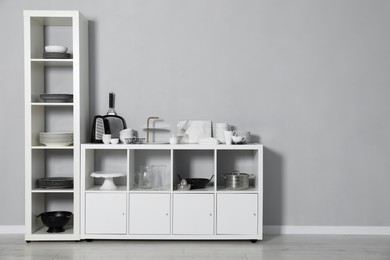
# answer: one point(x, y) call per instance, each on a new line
point(300, 247)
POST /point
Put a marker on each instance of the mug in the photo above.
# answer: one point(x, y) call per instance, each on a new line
point(218, 131)
point(238, 139)
point(228, 137)
point(247, 135)
point(106, 138)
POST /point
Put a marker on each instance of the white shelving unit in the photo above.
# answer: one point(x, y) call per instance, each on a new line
point(67, 76)
point(210, 213)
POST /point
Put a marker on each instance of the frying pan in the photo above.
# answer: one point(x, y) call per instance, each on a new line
point(107, 124)
point(197, 183)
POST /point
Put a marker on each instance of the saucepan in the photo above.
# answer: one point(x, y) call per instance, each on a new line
point(237, 180)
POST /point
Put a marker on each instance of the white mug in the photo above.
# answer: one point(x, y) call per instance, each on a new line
point(228, 137)
point(247, 135)
point(106, 138)
point(238, 139)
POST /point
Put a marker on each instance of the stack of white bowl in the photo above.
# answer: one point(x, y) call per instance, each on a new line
point(56, 138)
point(126, 133)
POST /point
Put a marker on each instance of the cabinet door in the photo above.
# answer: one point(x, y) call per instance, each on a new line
point(193, 214)
point(237, 214)
point(150, 214)
point(105, 213)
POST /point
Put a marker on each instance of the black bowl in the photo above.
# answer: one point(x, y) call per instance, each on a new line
point(197, 183)
point(55, 220)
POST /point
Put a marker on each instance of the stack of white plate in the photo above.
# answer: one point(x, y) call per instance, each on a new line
point(56, 138)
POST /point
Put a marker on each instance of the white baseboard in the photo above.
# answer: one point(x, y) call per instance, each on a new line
point(278, 230)
point(19, 229)
point(327, 230)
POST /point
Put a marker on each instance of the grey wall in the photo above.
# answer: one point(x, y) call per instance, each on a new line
point(310, 78)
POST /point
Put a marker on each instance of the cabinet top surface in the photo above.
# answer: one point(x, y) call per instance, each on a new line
point(51, 13)
point(174, 147)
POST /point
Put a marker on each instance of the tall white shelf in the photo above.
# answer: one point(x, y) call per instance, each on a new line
point(210, 213)
point(68, 28)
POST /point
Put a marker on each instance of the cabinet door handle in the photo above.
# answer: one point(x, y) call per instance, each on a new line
point(254, 214)
point(166, 214)
point(210, 214)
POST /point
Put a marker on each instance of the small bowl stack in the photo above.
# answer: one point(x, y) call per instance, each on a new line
point(56, 52)
point(56, 138)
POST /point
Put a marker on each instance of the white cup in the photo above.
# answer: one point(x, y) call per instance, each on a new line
point(247, 135)
point(114, 141)
point(106, 138)
point(219, 129)
point(228, 137)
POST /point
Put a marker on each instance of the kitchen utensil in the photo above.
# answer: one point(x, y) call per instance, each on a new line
point(145, 177)
point(159, 176)
point(115, 123)
point(196, 183)
point(108, 124)
point(55, 48)
point(238, 139)
point(106, 138)
point(183, 185)
point(98, 129)
point(55, 220)
point(228, 137)
point(219, 130)
point(247, 135)
point(56, 138)
point(57, 98)
point(114, 141)
point(126, 133)
point(173, 139)
point(55, 183)
point(237, 180)
point(108, 183)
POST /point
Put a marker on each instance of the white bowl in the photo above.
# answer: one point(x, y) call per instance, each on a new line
point(114, 141)
point(53, 48)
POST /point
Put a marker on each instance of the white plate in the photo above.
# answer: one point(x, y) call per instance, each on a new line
point(57, 144)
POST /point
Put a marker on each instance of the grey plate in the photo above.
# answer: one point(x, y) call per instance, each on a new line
point(57, 98)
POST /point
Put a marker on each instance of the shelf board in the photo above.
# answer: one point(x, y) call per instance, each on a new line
point(42, 190)
point(139, 190)
point(42, 147)
point(53, 62)
point(43, 231)
point(52, 104)
point(208, 189)
point(222, 189)
point(97, 189)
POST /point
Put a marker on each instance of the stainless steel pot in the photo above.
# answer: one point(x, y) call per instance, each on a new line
point(237, 180)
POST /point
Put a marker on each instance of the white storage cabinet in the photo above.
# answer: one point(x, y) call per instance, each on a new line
point(210, 213)
point(54, 76)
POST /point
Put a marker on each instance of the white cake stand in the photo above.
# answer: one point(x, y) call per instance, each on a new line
point(108, 183)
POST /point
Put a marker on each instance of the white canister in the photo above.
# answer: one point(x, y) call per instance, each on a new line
point(219, 131)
